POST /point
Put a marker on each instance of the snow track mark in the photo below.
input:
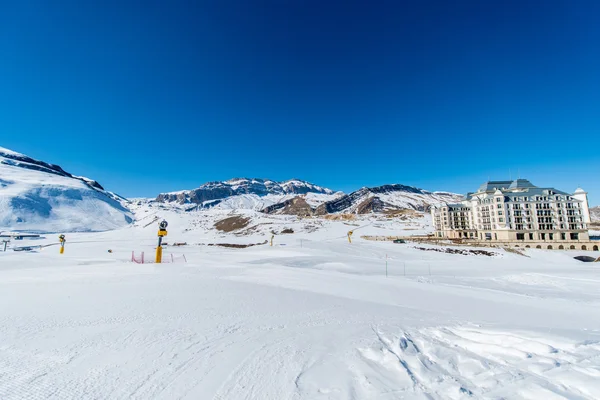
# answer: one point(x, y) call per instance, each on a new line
point(460, 363)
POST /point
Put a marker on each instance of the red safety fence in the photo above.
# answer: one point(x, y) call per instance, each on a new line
point(137, 260)
point(166, 259)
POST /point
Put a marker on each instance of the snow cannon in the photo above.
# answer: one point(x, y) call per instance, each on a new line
point(62, 240)
point(162, 232)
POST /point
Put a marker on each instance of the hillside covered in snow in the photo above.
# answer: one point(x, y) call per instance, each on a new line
point(380, 199)
point(41, 197)
point(212, 193)
point(595, 214)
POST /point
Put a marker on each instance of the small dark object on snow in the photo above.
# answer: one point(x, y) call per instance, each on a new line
point(466, 252)
point(237, 245)
point(402, 241)
point(585, 258)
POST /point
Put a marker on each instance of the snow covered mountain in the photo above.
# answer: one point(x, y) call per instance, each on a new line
point(242, 193)
point(595, 214)
point(386, 198)
point(42, 197)
point(368, 200)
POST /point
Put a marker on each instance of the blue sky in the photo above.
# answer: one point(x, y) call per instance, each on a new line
point(155, 96)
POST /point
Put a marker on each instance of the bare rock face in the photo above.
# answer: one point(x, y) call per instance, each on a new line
point(370, 205)
point(296, 206)
point(232, 223)
point(343, 203)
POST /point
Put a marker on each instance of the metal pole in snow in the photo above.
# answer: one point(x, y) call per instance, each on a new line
point(386, 269)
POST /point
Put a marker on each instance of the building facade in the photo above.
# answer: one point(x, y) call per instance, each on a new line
point(515, 211)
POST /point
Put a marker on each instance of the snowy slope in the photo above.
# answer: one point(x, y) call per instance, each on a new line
point(311, 318)
point(41, 197)
point(209, 193)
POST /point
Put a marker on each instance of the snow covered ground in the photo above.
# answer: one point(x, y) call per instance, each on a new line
point(312, 317)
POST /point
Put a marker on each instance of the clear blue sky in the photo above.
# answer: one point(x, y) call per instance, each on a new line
point(155, 96)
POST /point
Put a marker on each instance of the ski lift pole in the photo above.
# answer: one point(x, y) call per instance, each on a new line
point(350, 236)
point(162, 232)
point(272, 237)
point(62, 240)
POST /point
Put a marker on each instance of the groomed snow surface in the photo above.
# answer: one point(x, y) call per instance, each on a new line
point(312, 317)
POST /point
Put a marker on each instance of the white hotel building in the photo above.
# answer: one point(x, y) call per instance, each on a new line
point(517, 212)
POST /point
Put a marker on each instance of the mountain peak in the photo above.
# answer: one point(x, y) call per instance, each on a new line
point(238, 186)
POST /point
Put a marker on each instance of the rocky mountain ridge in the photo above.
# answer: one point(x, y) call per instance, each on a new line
point(368, 200)
point(213, 191)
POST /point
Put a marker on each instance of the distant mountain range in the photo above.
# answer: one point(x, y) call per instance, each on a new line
point(42, 197)
point(39, 196)
point(211, 193)
point(304, 198)
point(366, 200)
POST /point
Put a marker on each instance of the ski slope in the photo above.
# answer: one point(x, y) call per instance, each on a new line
point(312, 317)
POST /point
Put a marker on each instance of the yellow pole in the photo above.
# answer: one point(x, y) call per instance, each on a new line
point(62, 240)
point(158, 254)
point(350, 236)
point(162, 232)
point(272, 236)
